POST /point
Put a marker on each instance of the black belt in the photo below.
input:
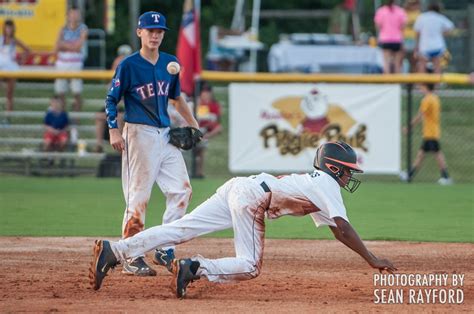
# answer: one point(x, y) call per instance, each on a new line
point(265, 187)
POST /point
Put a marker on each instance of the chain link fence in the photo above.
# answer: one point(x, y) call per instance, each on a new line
point(456, 133)
point(22, 132)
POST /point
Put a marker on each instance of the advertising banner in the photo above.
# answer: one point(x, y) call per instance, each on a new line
point(277, 127)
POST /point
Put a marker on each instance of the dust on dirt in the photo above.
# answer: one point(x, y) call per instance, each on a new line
point(51, 274)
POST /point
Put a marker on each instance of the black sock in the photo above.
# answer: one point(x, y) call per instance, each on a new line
point(411, 173)
point(444, 173)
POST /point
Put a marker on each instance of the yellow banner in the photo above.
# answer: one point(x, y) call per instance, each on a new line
point(37, 22)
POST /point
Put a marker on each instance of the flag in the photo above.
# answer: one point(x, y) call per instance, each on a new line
point(188, 49)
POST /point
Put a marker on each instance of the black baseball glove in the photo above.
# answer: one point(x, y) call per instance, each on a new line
point(185, 137)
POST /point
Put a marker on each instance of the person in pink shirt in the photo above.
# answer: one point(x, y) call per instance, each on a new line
point(390, 20)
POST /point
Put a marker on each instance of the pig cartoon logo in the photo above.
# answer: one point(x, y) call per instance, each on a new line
point(315, 107)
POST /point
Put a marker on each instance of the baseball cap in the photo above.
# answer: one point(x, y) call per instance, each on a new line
point(152, 19)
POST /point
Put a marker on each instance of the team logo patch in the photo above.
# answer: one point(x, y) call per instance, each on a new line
point(116, 82)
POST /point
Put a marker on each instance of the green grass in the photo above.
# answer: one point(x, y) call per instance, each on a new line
point(381, 209)
point(94, 207)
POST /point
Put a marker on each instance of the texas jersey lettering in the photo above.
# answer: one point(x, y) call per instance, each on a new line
point(146, 103)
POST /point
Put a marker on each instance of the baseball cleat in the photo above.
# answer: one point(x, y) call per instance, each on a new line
point(445, 181)
point(403, 175)
point(184, 272)
point(104, 259)
point(164, 258)
point(138, 267)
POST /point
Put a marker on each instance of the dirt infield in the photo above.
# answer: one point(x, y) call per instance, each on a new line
point(50, 274)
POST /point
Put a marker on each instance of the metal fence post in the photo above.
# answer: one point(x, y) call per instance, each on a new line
point(197, 92)
point(409, 128)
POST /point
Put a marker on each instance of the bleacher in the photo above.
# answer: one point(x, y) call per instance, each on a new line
point(21, 137)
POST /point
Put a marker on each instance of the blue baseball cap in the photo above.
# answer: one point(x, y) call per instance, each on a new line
point(152, 19)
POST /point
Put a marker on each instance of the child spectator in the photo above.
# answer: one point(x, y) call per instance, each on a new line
point(429, 113)
point(8, 44)
point(431, 27)
point(56, 122)
point(390, 20)
point(209, 119)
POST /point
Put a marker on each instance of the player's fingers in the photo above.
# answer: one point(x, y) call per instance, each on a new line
point(390, 269)
point(117, 147)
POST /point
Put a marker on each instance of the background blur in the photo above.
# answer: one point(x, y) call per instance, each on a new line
point(238, 36)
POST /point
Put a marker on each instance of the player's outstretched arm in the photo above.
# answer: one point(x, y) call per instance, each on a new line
point(349, 237)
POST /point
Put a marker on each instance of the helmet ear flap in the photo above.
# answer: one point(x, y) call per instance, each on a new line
point(333, 168)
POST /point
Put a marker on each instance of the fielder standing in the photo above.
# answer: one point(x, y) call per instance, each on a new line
point(147, 157)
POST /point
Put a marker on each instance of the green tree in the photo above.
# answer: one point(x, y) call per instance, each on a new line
point(213, 12)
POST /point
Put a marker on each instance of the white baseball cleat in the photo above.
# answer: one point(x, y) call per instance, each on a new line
point(445, 181)
point(403, 176)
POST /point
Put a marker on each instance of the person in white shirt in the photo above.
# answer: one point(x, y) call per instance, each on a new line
point(431, 27)
point(243, 203)
point(8, 55)
point(71, 52)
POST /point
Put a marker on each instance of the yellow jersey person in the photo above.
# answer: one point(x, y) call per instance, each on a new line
point(429, 113)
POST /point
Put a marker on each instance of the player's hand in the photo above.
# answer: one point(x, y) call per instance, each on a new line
point(383, 264)
point(116, 140)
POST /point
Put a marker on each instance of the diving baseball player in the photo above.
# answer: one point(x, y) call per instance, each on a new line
point(147, 157)
point(242, 204)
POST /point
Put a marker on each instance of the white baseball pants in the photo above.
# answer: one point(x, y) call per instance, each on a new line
point(149, 158)
point(240, 203)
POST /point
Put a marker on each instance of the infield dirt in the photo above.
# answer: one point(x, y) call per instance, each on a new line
point(51, 274)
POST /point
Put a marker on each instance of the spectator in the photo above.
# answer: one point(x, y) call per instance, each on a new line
point(412, 9)
point(429, 113)
point(101, 128)
point(56, 122)
point(122, 52)
point(8, 44)
point(390, 20)
point(71, 52)
point(431, 27)
point(209, 119)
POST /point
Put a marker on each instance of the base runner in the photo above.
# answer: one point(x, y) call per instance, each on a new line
point(242, 203)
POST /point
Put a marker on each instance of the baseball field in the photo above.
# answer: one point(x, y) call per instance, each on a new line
point(48, 228)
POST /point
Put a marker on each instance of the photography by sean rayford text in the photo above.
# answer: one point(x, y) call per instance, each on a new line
point(435, 288)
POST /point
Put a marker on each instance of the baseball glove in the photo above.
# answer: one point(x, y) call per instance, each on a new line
point(185, 137)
